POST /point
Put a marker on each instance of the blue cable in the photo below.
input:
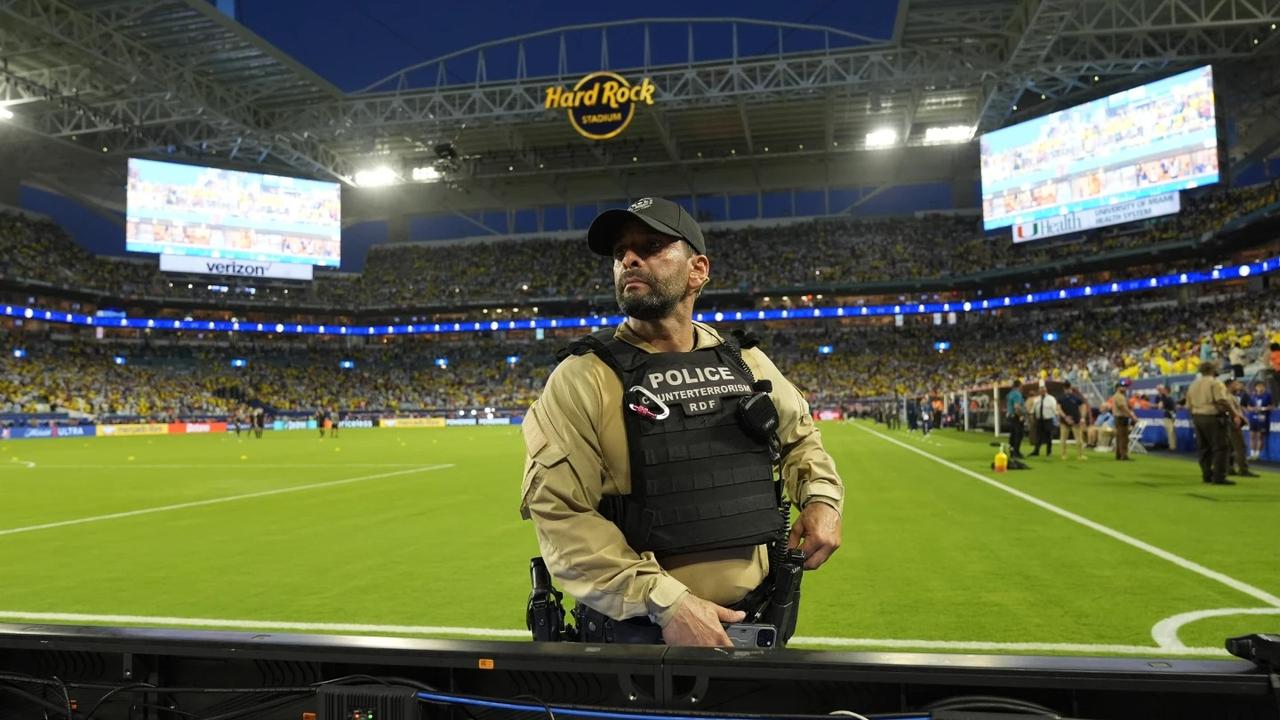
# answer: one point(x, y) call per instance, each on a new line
point(570, 712)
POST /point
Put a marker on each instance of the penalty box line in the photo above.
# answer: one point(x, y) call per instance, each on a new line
point(1239, 585)
point(216, 501)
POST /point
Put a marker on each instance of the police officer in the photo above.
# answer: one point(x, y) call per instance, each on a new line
point(1124, 417)
point(650, 502)
point(1239, 462)
point(1210, 409)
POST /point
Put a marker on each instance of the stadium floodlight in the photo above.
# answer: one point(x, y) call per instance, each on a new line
point(948, 134)
point(882, 138)
point(6, 113)
point(380, 176)
point(425, 174)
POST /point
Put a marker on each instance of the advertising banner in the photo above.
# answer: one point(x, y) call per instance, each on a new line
point(181, 428)
point(1125, 212)
point(460, 421)
point(30, 433)
point(294, 425)
point(235, 268)
point(361, 424)
point(74, 431)
point(39, 433)
point(129, 430)
point(495, 421)
point(413, 422)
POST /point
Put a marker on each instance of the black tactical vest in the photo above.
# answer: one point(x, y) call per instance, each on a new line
point(698, 481)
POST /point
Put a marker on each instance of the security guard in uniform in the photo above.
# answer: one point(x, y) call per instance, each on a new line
point(1210, 409)
point(650, 504)
point(1238, 464)
point(1124, 417)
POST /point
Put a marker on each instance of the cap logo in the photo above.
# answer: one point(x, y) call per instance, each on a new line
point(641, 204)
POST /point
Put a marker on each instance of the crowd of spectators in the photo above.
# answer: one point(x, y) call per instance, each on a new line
point(813, 254)
point(165, 381)
point(1096, 341)
point(168, 377)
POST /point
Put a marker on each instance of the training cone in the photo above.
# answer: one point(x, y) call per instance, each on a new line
point(1001, 463)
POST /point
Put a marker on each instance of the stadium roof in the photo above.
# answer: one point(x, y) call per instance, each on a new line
point(741, 105)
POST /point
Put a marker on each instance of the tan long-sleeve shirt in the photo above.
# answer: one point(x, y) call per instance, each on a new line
point(576, 453)
point(1120, 406)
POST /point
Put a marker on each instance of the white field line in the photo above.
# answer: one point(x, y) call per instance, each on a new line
point(1241, 586)
point(1165, 632)
point(244, 465)
point(258, 624)
point(1015, 647)
point(30, 465)
point(215, 501)
point(279, 625)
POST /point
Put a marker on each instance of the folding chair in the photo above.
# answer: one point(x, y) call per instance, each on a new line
point(1135, 436)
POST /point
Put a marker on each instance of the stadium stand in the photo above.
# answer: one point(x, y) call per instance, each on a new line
point(168, 377)
point(814, 254)
point(914, 205)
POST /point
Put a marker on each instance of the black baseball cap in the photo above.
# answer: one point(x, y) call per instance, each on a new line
point(660, 214)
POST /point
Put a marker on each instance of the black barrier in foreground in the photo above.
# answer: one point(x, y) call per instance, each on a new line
point(49, 671)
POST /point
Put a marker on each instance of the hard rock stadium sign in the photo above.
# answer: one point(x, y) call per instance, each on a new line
point(602, 104)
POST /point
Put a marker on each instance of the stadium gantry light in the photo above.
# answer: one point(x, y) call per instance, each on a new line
point(948, 134)
point(5, 113)
point(380, 176)
point(425, 173)
point(882, 138)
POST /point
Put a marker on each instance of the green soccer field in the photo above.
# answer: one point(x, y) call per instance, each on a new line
point(416, 532)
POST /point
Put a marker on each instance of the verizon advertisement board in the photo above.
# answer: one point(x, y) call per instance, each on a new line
point(234, 268)
point(1125, 212)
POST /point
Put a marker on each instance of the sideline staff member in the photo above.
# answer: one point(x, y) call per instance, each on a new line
point(1210, 409)
point(577, 464)
point(1124, 417)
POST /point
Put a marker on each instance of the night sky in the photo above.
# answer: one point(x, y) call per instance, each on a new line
point(354, 43)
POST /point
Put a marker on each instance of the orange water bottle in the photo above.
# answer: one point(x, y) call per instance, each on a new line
point(1002, 460)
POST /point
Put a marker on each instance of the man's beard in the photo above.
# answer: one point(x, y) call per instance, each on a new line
point(656, 304)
